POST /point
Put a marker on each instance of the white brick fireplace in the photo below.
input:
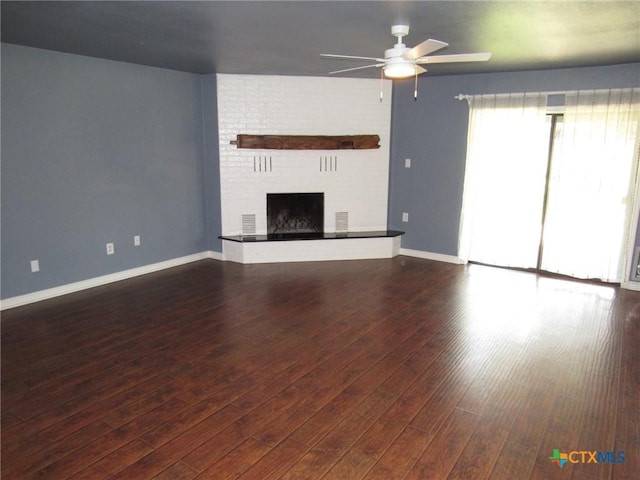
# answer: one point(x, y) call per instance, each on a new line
point(353, 181)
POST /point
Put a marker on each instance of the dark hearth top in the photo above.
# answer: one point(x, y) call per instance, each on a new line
point(276, 237)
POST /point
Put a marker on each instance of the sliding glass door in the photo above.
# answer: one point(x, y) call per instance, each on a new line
point(551, 193)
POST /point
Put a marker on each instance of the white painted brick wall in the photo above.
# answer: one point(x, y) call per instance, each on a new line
point(259, 104)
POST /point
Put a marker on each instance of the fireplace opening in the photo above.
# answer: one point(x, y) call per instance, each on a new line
point(295, 213)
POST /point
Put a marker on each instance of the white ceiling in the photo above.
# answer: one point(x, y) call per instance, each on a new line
point(287, 37)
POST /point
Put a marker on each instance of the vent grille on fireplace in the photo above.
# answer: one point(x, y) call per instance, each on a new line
point(249, 224)
point(342, 221)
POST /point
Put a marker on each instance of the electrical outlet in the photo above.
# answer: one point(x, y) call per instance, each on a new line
point(35, 266)
point(407, 163)
point(110, 249)
point(136, 240)
point(405, 217)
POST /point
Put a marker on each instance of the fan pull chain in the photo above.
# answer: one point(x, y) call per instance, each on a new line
point(381, 83)
point(415, 88)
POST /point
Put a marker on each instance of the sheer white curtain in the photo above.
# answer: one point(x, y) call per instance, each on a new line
point(504, 179)
point(591, 184)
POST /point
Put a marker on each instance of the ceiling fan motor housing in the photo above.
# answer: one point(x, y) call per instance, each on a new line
point(395, 52)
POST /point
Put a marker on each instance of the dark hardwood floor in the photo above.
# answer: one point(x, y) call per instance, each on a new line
point(400, 368)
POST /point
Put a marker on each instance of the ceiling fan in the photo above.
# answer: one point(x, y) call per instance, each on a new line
point(402, 62)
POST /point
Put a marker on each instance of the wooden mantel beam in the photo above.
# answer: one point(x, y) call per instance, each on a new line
point(307, 142)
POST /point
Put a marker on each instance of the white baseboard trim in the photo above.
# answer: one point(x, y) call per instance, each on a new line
point(48, 293)
point(215, 255)
point(629, 285)
point(440, 257)
point(40, 295)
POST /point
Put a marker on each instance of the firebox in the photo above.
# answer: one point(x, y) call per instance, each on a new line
point(295, 213)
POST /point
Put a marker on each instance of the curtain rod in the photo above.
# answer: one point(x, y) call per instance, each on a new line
point(467, 97)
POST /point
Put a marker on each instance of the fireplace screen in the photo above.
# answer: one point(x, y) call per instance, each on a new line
point(293, 213)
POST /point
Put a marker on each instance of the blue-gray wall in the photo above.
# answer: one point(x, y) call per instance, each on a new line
point(433, 133)
point(95, 151)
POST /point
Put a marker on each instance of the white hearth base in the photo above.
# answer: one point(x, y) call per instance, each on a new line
point(311, 250)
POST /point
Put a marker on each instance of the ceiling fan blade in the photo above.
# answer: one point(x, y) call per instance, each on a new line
point(357, 68)
point(420, 70)
point(350, 57)
point(462, 57)
point(424, 48)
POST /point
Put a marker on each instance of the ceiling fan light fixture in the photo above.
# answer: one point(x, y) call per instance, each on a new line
point(400, 70)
